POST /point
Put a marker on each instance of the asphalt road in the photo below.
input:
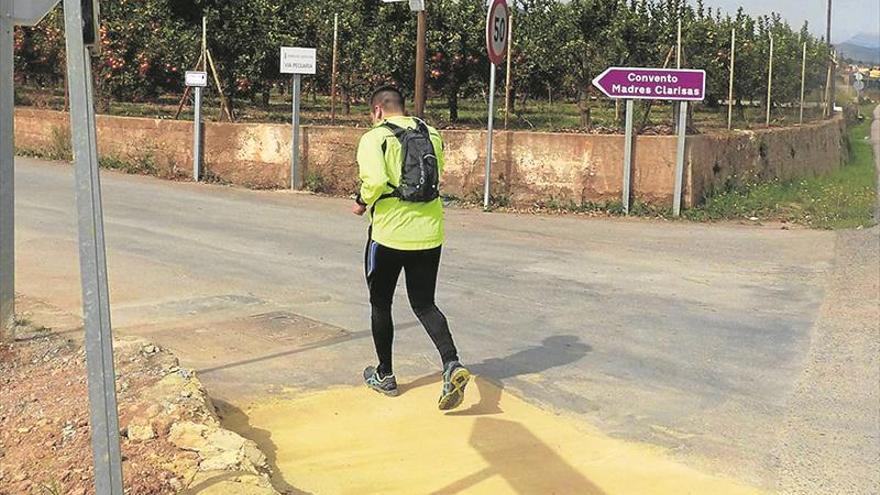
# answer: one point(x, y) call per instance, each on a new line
point(693, 337)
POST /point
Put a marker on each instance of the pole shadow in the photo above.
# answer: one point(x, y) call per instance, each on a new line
point(527, 464)
point(345, 337)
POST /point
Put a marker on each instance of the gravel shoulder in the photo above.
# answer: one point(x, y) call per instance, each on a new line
point(830, 438)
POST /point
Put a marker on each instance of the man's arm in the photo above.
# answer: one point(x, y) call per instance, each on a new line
point(371, 168)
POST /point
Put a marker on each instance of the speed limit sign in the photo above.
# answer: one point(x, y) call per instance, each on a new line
point(496, 31)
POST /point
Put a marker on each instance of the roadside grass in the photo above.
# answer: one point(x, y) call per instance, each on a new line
point(840, 200)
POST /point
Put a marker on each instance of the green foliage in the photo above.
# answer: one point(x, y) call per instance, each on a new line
point(140, 165)
point(315, 183)
point(559, 47)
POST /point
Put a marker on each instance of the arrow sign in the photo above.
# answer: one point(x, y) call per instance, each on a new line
point(652, 84)
point(31, 12)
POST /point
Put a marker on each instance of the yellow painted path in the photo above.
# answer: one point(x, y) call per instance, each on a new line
point(354, 441)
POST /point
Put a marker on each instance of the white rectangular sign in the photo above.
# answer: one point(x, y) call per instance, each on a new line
point(298, 60)
point(196, 79)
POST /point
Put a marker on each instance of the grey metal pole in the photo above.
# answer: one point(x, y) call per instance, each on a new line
point(489, 137)
point(7, 174)
point(679, 161)
point(508, 74)
point(770, 82)
point(627, 157)
point(803, 81)
point(334, 74)
point(295, 170)
point(730, 88)
point(104, 419)
point(197, 136)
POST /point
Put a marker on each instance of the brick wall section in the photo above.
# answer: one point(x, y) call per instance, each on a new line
point(528, 167)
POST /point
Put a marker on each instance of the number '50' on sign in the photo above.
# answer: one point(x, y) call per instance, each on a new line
point(496, 31)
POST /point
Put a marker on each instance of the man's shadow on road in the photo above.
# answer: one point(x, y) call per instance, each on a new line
point(554, 352)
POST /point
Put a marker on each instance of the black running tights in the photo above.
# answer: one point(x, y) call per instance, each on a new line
point(383, 266)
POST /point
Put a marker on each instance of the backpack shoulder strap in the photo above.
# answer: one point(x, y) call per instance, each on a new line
point(395, 129)
point(422, 127)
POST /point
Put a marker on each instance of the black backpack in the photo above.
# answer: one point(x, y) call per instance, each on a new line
point(419, 173)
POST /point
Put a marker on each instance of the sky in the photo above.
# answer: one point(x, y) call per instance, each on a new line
point(849, 17)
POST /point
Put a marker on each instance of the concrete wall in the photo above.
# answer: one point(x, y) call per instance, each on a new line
point(528, 167)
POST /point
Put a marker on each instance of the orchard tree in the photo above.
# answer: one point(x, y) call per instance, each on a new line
point(456, 48)
point(244, 39)
point(145, 47)
point(39, 51)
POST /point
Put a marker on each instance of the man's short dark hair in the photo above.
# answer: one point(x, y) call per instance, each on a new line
point(389, 98)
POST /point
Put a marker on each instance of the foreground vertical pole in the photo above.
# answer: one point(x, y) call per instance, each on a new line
point(488, 182)
point(103, 414)
point(7, 175)
point(198, 153)
point(295, 169)
point(679, 162)
point(803, 82)
point(730, 87)
point(627, 157)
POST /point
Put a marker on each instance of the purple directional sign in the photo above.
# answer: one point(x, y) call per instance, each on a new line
point(652, 84)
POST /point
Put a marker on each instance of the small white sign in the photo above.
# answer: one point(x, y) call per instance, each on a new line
point(196, 79)
point(298, 60)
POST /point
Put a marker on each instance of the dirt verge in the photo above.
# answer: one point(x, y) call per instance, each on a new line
point(172, 441)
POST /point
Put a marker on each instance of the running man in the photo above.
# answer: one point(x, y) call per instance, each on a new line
point(400, 162)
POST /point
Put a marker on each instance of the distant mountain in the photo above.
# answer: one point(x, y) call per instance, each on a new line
point(865, 40)
point(862, 47)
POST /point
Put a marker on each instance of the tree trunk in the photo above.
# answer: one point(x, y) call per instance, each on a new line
point(102, 100)
point(452, 103)
point(267, 94)
point(346, 96)
point(585, 109)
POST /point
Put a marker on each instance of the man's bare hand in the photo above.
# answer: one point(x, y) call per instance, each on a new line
point(359, 209)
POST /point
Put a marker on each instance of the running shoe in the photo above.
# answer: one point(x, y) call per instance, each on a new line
point(383, 384)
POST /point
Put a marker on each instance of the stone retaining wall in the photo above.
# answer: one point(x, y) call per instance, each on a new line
point(529, 166)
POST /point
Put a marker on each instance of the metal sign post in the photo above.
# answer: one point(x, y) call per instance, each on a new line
point(627, 157)
point(681, 85)
point(679, 158)
point(770, 83)
point(730, 83)
point(197, 80)
point(297, 61)
point(7, 175)
point(803, 83)
point(80, 22)
point(12, 13)
point(496, 44)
